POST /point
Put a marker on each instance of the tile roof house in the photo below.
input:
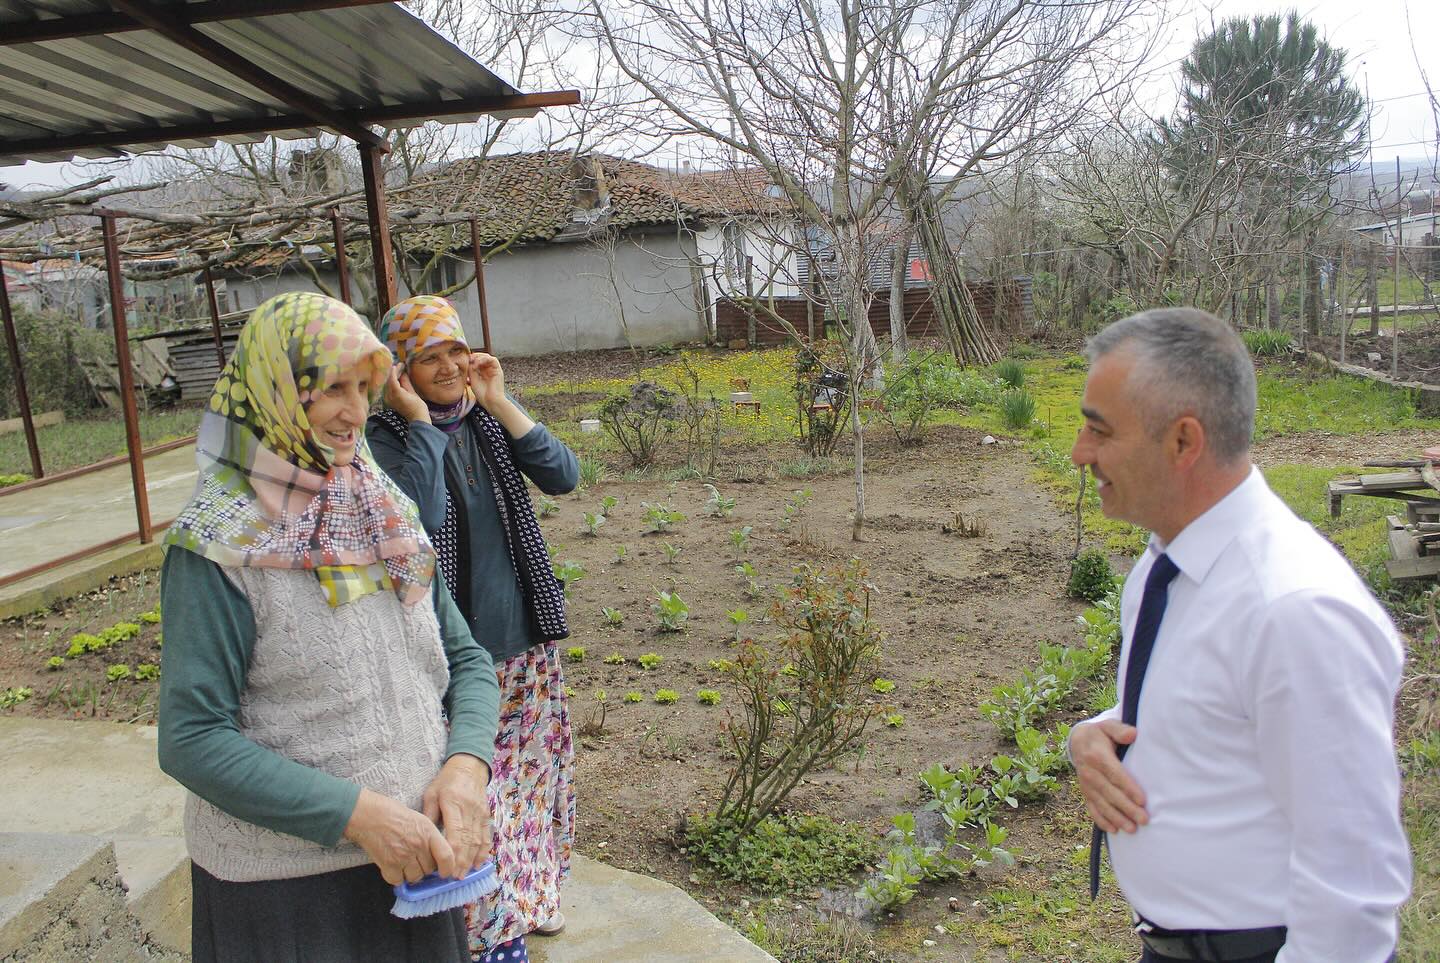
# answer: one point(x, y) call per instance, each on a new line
point(587, 251)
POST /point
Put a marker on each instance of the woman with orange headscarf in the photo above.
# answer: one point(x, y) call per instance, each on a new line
point(456, 442)
point(312, 659)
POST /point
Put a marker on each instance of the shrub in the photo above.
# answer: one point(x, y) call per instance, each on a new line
point(1268, 344)
point(1017, 408)
point(52, 346)
point(1010, 372)
point(640, 421)
point(831, 642)
point(923, 384)
point(1091, 576)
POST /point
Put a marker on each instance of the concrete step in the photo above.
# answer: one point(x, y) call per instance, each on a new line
point(61, 898)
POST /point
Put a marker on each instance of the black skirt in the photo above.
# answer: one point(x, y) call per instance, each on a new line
point(340, 917)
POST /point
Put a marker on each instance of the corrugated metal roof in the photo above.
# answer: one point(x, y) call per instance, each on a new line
point(352, 59)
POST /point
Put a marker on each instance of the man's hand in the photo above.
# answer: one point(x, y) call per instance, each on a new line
point(487, 380)
point(1115, 801)
point(403, 843)
point(400, 396)
point(456, 800)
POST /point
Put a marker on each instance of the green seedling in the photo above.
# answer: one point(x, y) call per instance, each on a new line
point(650, 660)
point(883, 686)
point(576, 653)
point(593, 521)
point(634, 697)
point(717, 505)
point(545, 506)
point(670, 611)
point(708, 697)
point(612, 616)
point(614, 658)
point(667, 697)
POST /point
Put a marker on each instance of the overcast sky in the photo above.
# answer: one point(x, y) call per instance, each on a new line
point(1376, 33)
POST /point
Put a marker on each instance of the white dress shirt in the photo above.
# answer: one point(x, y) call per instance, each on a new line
point(1264, 741)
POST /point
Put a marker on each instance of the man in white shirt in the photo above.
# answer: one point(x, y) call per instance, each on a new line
point(1255, 814)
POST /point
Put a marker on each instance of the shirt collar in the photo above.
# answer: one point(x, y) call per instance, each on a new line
point(1200, 543)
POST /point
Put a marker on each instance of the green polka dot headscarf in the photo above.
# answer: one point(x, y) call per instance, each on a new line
point(269, 494)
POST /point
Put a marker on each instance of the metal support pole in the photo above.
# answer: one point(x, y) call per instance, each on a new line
point(215, 320)
point(341, 268)
point(127, 379)
point(480, 284)
point(12, 343)
point(1399, 240)
point(377, 209)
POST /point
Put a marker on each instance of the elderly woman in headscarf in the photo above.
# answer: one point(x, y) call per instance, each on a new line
point(312, 661)
point(457, 443)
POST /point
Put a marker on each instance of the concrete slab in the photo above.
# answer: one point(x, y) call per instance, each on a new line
point(40, 875)
point(623, 917)
point(53, 521)
point(156, 874)
point(96, 778)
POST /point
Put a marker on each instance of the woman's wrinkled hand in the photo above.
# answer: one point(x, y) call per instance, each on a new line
point(405, 844)
point(487, 380)
point(456, 800)
point(400, 396)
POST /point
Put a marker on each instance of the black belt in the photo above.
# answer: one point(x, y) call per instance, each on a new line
point(1211, 946)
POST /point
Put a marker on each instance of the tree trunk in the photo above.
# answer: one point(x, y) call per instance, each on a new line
point(1311, 264)
point(1372, 289)
point(857, 429)
point(899, 270)
point(965, 332)
point(1272, 303)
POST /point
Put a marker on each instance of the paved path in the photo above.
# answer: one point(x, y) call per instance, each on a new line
point(55, 520)
point(100, 780)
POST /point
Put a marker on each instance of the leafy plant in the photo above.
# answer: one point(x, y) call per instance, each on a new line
point(1017, 408)
point(650, 661)
point(147, 672)
point(832, 642)
point(1010, 372)
point(576, 653)
point(621, 554)
point(708, 697)
point(54, 662)
point(614, 658)
point(894, 720)
point(883, 686)
point(672, 552)
point(795, 506)
point(567, 573)
point(786, 853)
point(721, 665)
point(1268, 344)
point(667, 697)
point(670, 611)
point(717, 505)
point(151, 617)
point(1091, 577)
point(612, 617)
point(660, 517)
point(593, 521)
point(607, 503)
point(1422, 755)
point(746, 571)
point(740, 539)
point(117, 673)
point(634, 697)
point(592, 471)
point(640, 421)
point(12, 697)
point(16, 478)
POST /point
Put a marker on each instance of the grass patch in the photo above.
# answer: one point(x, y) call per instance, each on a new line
point(1291, 403)
point(836, 940)
point(1420, 916)
point(785, 854)
point(84, 441)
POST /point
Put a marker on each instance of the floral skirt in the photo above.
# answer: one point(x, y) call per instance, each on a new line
point(532, 799)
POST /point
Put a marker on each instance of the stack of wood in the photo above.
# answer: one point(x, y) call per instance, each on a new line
point(1414, 539)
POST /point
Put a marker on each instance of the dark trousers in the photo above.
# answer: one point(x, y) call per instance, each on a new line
point(1153, 957)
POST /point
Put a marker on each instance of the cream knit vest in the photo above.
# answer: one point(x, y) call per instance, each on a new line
point(354, 691)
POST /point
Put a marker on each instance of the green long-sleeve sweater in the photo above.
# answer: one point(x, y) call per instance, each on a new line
point(210, 633)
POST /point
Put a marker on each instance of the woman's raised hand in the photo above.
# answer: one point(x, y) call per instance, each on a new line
point(401, 397)
point(403, 843)
point(487, 380)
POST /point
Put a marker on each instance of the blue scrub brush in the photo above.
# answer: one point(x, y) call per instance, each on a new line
point(436, 893)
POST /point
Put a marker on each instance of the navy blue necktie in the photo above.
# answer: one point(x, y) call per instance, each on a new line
point(1142, 643)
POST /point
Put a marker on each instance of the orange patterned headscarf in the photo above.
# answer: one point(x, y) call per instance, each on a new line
point(416, 324)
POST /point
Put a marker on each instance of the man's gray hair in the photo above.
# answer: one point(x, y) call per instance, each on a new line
point(1188, 362)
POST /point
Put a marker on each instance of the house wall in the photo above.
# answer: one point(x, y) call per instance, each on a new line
point(556, 297)
point(770, 256)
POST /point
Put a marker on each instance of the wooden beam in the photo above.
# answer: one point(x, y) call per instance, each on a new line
point(127, 380)
point(378, 210)
point(480, 284)
point(18, 150)
point(162, 22)
point(210, 11)
point(215, 317)
point(341, 269)
point(17, 367)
